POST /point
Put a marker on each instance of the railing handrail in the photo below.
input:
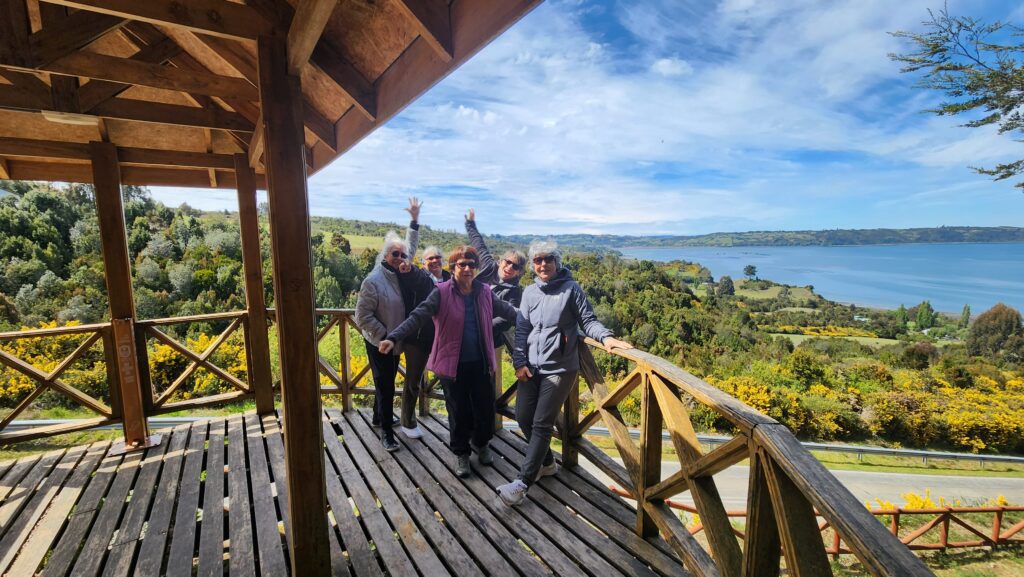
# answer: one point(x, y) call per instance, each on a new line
point(224, 316)
point(53, 331)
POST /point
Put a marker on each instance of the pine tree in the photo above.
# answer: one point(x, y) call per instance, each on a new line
point(965, 317)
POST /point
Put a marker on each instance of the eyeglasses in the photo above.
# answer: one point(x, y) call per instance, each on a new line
point(435, 257)
point(398, 253)
point(471, 264)
point(514, 265)
point(548, 258)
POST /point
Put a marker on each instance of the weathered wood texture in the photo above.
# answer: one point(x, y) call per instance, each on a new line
point(398, 513)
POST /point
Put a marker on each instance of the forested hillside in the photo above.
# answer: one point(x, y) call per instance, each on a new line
point(908, 377)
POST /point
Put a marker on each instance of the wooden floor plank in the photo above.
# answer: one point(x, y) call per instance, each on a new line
point(242, 560)
point(388, 545)
point(516, 519)
point(4, 467)
point(122, 554)
point(46, 531)
point(211, 538)
point(638, 550)
point(405, 506)
point(24, 523)
point(275, 453)
point(14, 474)
point(567, 531)
point(271, 552)
point(18, 497)
point(151, 553)
point(475, 536)
point(67, 548)
point(354, 540)
point(183, 534)
point(90, 560)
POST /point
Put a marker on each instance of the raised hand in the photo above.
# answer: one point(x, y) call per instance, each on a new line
point(414, 208)
point(471, 215)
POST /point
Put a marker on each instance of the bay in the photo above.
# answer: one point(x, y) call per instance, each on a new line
point(884, 276)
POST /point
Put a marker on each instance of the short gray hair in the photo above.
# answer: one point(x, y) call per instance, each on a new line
point(545, 247)
point(431, 251)
point(392, 239)
point(515, 256)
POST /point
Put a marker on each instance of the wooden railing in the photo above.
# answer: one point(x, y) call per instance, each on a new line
point(940, 520)
point(788, 487)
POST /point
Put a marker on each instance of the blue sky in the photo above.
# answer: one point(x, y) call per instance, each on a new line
point(680, 117)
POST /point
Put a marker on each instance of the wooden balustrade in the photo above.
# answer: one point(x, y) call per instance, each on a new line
point(986, 534)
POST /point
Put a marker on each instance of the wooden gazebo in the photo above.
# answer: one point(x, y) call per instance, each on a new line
point(226, 94)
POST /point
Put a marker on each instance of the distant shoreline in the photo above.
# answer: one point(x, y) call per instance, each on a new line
point(678, 246)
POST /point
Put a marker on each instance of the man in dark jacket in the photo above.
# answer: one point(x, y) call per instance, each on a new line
point(503, 276)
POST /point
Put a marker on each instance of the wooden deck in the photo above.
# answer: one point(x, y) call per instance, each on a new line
point(163, 512)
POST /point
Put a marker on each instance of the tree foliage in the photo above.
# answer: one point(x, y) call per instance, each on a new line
point(978, 67)
point(997, 331)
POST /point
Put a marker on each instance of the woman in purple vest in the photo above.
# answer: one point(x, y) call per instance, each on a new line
point(462, 355)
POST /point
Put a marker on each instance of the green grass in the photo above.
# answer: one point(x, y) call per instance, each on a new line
point(796, 294)
point(875, 342)
point(360, 243)
point(1007, 562)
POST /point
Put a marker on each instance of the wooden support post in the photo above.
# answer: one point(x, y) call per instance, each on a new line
point(257, 345)
point(571, 420)
point(346, 364)
point(281, 100)
point(114, 242)
point(650, 456)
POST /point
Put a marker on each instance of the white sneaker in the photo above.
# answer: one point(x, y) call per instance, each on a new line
point(513, 493)
point(547, 470)
point(413, 433)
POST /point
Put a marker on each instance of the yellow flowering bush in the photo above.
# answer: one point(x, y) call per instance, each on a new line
point(88, 373)
point(166, 365)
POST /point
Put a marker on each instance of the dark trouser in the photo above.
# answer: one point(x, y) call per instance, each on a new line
point(538, 402)
point(415, 364)
point(384, 369)
point(469, 399)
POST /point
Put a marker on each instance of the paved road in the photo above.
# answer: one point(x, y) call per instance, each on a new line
point(866, 486)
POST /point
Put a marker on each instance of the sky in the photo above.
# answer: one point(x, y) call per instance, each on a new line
point(680, 117)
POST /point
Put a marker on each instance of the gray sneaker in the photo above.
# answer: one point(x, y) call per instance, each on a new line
point(462, 468)
point(483, 454)
point(512, 493)
point(547, 470)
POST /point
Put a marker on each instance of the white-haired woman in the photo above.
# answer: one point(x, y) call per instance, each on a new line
point(433, 263)
point(551, 313)
point(503, 275)
point(379, 310)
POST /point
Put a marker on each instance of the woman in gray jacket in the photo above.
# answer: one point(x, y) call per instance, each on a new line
point(379, 310)
point(551, 313)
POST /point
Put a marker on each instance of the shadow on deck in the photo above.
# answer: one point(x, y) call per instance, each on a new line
point(165, 512)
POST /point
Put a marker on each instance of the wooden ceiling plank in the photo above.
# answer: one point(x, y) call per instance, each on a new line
point(232, 54)
point(14, 98)
point(32, 148)
point(433, 22)
point(128, 71)
point(215, 17)
point(319, 125)
point(306, 28)
point(154, 157)
point(359, 90)
point(137, 175)
point(69, 35)
point(27, 82)
point(278, 12)
point(97, 91)
point(15, 31)
point(141, 111)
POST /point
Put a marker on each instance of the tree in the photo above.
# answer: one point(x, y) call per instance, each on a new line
point(725, 286)
point(925, 318)
point(995, 331)
point(978, 68)
point(965, 317)
point(750, 271)
point(901, 316)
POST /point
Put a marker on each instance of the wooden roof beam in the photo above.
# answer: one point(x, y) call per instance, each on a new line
point(256, 144)
point(5, 170)
point(359, 90)
point(15, 30)
point(136, 110)
point(70, 34)
point(305, 30)
point(32, 148)
point(63, 89)
point(214, 17)
point(432, 20)
point(98, 91)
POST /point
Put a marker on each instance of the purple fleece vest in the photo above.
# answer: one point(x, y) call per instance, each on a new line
point(448, 323)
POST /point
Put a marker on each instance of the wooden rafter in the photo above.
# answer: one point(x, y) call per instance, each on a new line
point(68, 36)
point(98, 91)
point(359, 90)
point(432, 20)
point(31, 148)
point(215, 17)
point(305, 30)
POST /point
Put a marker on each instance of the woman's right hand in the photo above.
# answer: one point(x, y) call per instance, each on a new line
point(386, 346)
point(471, 215)
point(523, 373)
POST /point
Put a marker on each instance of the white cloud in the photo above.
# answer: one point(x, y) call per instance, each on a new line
point(671, 67)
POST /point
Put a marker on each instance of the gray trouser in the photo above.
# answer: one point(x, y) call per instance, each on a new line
point(415, 365)
point(538, 402)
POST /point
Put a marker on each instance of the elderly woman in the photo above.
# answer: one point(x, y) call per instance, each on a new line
point(462, 355)
point(503, 276)
point(379, 309)
point(433, 259)
point(552, 311)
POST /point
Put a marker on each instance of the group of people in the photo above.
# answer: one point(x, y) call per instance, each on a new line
point(451, 321)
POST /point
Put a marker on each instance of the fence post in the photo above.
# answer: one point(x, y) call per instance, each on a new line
point(650, 455)
point(345, 359)
point(571, 411)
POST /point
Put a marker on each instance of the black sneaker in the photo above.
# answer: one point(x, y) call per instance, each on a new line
point(462, 468)
point(375, 421)
point(387, 438)
point(483, 454)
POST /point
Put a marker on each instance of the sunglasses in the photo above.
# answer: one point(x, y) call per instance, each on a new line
point(548, 258)
point(466, 264)
point(398, 253)
point(514, 265)
point(435, 257)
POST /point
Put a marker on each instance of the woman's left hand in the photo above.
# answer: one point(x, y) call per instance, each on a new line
point(614, 343)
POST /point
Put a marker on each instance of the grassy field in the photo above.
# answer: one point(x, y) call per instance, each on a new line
point(869, 341)
point(955, 563)
point(795, 293)
point(360, 243)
